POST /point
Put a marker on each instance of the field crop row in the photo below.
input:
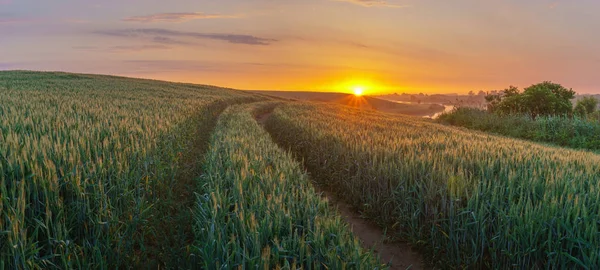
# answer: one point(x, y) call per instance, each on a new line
point(468, 199)
point(257, 210)
point(86, 160)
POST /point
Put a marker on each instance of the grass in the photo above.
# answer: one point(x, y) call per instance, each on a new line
point(573, 132)
point(467, 199)
point(257, 210)
point(87, 164)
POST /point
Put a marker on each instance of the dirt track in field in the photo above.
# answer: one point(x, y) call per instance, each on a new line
point(397, 254)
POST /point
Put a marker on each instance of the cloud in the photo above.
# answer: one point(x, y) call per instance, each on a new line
point(372, 3)
point(166, 36)
point(170, 41)
point(123, 48)
point(175, 17)
point(127, 49)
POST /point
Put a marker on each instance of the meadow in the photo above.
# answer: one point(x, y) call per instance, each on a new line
point(101, 172)
point(575, 132)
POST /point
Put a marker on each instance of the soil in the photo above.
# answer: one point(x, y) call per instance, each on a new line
point(397, 254)
point(262, 118)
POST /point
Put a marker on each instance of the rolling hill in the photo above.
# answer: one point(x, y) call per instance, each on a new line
point(362, 102)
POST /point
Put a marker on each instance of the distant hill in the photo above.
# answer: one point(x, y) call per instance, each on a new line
point(365, 102)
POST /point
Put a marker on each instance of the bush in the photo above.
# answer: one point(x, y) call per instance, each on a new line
point(542, 99)
point(586, 106)
point(575, 132)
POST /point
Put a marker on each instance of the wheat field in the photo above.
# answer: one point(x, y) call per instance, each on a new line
point(468, 199)
point(101, 172)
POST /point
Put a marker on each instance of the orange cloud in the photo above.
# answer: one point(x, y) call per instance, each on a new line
point(175, 17)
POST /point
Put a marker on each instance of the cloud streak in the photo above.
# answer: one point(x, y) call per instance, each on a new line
point(175, 17)
point(123, 48)
point(371, 3)
point(167, 36)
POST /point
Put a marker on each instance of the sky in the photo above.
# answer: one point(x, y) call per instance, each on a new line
point(383, 46)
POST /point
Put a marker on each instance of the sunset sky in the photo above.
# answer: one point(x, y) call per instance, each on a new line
point(384, 46)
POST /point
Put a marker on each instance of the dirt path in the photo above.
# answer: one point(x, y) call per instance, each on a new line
point(398, 255)
point(169, 232)
point(262, 118)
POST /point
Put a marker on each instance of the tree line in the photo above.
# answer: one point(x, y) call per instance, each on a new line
point(542, 99)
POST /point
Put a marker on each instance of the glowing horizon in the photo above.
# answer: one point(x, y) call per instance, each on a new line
point(315, 45)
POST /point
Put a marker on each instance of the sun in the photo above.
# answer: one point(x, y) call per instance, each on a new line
point(358, 91)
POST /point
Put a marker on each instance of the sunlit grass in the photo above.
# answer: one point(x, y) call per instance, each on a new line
point(466, 198)
point(257, 209)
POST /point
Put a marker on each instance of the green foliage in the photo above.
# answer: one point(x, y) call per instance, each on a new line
point(594, 117)
point(470, 200)
point(257, 210)
point(543, 99)
point(574, 132)
point(87, 161)
point(586, 106)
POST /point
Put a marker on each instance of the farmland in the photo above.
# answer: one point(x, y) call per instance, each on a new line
point(102, 172)
point(88, 166)
point(467, 199)
point(256, 207)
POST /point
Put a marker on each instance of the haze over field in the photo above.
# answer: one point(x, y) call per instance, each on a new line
point(324, 45)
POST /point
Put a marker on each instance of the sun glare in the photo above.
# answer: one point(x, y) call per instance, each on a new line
point(358, 91)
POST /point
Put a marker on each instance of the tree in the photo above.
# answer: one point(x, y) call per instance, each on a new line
point(586, 106)
point(552, 99)
point(545, 98)
point(538, 101)
point(495, 98)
